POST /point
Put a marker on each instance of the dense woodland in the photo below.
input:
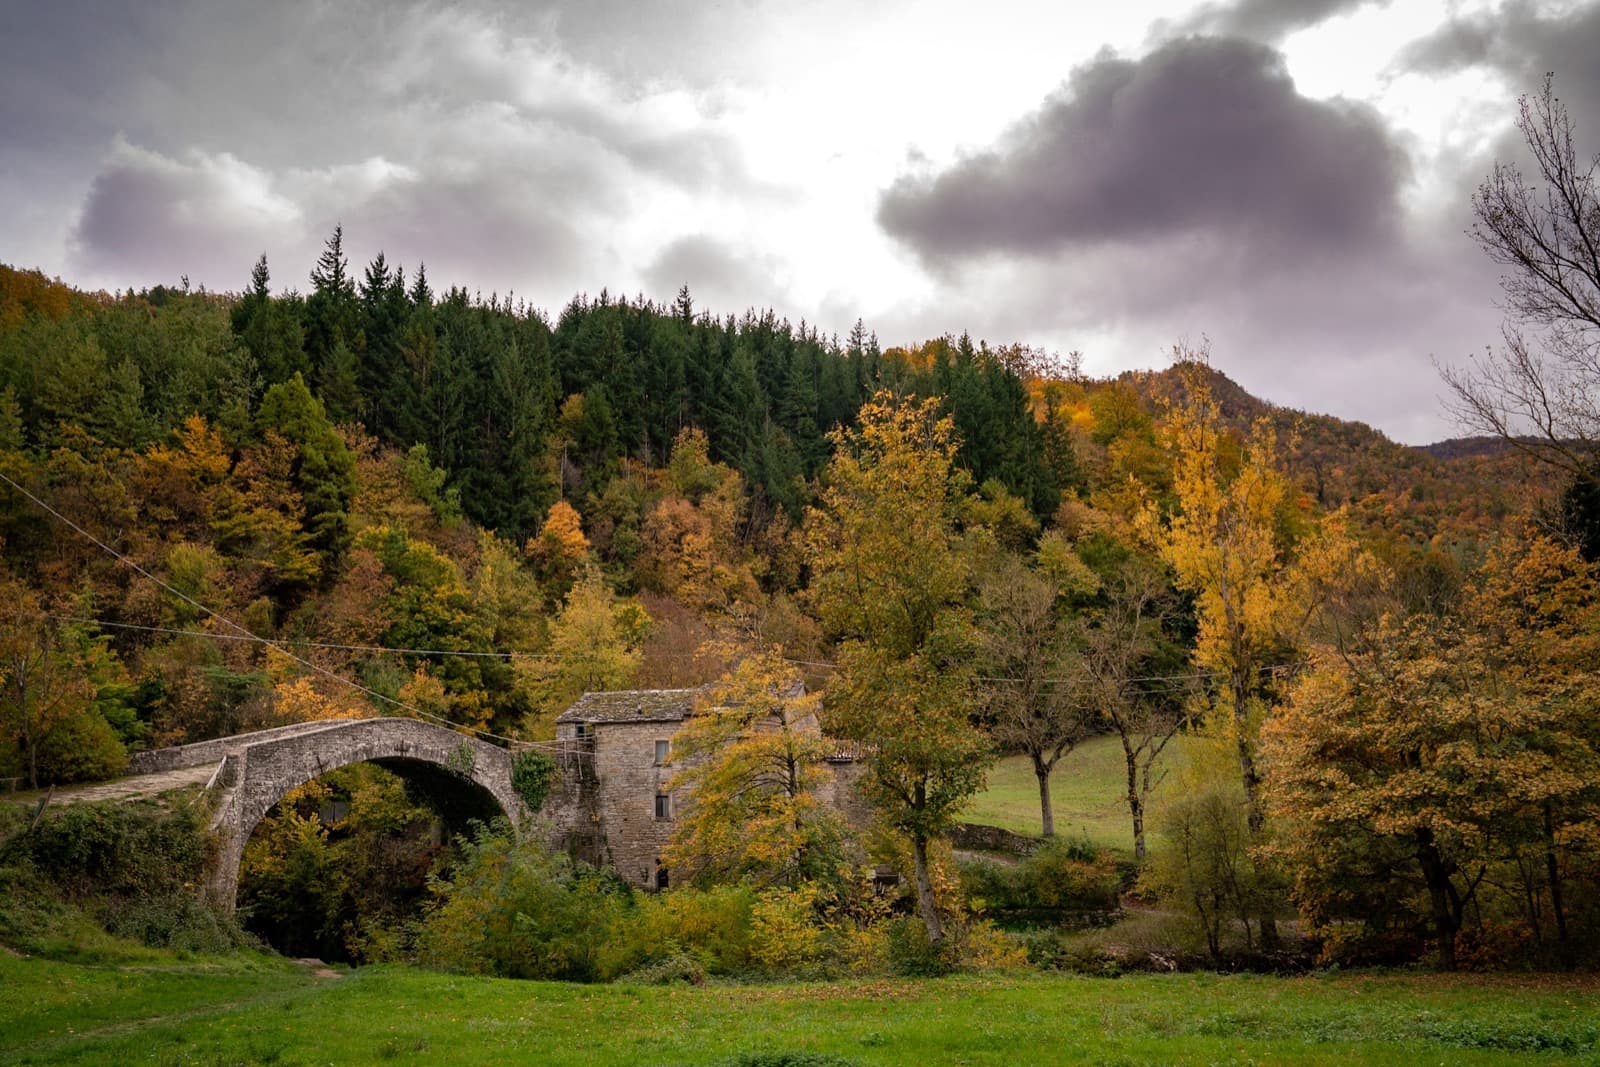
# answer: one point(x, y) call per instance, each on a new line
point(227, 511)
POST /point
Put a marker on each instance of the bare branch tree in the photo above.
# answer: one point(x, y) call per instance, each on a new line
point(1119, 647)
point(1541, 392)
point(1034, 704)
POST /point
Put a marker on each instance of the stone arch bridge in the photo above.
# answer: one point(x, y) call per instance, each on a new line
point(253, 771)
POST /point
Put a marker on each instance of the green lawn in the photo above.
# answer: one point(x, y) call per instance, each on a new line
point(253, 1011)
point(1088, 789)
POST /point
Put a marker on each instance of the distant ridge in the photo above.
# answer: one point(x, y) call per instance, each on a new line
point(1469, 448)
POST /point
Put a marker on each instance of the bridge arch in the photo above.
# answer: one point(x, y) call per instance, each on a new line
point(257, 770)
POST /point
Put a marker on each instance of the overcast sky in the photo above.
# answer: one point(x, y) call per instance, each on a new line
point(1288, 180)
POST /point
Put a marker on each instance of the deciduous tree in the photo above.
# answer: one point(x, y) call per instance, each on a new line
point(752, 756)
point(892, 580)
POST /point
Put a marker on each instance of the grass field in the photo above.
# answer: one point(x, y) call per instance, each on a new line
point(249, 1010)
point(1088, 791)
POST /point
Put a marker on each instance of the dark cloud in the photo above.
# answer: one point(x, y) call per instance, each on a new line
point(1262, 20)
point(151, 217)
point(467, 135)
point(1203, 136)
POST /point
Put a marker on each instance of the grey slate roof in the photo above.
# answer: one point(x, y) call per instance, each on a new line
point(632, 705)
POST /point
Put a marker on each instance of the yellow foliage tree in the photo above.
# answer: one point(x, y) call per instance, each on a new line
point(594, 646)
point(751, 756)
point(1437, 748)
point(560, 550)
point(1228, 542)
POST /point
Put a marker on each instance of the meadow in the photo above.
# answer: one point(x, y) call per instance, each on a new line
point(250, 1009)
point(1088, 792)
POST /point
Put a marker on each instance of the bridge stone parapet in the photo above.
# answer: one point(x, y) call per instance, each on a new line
point(260, 768)
point(179, 757)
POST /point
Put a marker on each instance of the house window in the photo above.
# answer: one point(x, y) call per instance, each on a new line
point(663, 748)
point(579, 729)
point(663, 806)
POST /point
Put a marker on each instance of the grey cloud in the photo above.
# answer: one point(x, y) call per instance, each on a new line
point(1203, 136)
point(1264, 20)
point(1523, 41)
point(465, 135)
point(314, 84)
point(720, 279)
point(148, 215)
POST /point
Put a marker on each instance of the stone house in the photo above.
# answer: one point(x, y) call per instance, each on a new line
point(616, 804)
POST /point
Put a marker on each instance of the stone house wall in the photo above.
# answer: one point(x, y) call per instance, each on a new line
point(603, 807)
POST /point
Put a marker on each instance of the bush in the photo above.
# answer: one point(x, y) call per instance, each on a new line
point(670, 971)
point(713, 926)
point(183, 923)
point(1062, 877)
point(910, 952)
point(784, 929)
point(515, 909)
point(1208, 870)
point(120, 851)
point(90, 874)
point(531, 774)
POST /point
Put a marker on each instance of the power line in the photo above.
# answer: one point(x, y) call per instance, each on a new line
point(247, 634)
point(320, 645)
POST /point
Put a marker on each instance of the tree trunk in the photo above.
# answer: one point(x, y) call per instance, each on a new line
point(1047, 815)
point(1251, 779)
point(1553, 875)
point(925, 902)
point(1135, 800)
point(1445, 905)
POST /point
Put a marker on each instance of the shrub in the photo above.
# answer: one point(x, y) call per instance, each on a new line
point(1208, 870)
point(670, 971)
point(131, 871)
point(711, 925)
point(1062, 877)
point(784, 928)
point(910, 953)
point(516, 909)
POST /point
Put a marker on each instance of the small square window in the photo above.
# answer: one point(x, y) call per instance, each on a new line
point(663, 806)
point(663, 752)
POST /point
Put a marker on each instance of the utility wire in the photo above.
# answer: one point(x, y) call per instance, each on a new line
point(245, 632)
point(251, 638)
point(246, 635)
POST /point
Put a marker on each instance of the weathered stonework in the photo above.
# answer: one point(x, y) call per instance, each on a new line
point(255, 770)
point(602, 806)
point(621, 732)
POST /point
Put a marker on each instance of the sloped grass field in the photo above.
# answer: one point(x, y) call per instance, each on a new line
point(248, 1010)
point(1088, 791)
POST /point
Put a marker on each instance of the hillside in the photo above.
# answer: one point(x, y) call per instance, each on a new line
point(1457, 491)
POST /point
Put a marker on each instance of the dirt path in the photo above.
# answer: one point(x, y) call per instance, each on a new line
point(143, 785)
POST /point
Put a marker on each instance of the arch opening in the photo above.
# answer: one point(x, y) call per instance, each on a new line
point(338, 868)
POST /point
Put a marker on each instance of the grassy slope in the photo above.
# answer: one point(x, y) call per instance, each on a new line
point(257, 1012)
point(1088, 789)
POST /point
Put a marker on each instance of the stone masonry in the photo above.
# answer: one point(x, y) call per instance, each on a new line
point(610, 802)
point(627, 808)
point(253, 771)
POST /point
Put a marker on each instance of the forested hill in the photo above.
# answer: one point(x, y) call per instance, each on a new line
point(1456, 490)
point(471, 510)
